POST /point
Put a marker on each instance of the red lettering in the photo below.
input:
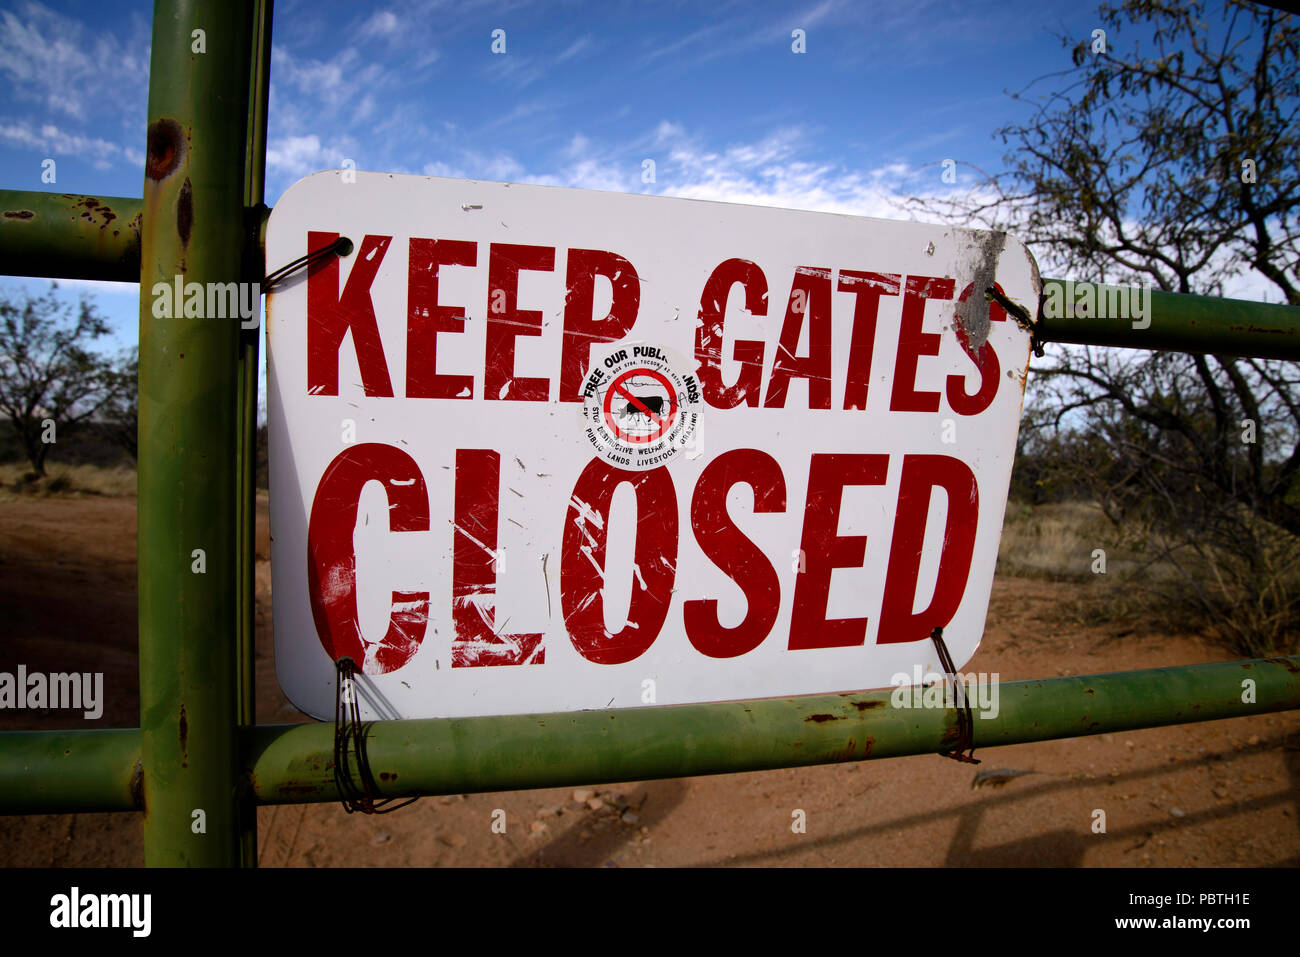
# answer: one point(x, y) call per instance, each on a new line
point(330, 316)
point(921, 475)
point(810, 296)
point(913, 343)
point(332, 564)
point(581, 328)
point(506, 321)
point(582, 562)
point(985, 359)
point(824, 550)
point(708, 336)
point(474, 570)
point(867, 288)
point(729, 548)
point(425, 318)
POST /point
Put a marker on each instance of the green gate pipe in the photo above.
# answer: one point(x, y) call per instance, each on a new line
point(85, 237)
point(60, 772)
point(1179, 323)
point(293, 764)
point(64, 771)
point(193, 228)
point(65, 236)
point(246, 408)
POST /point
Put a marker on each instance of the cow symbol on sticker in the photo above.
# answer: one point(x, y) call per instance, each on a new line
point(638, 411)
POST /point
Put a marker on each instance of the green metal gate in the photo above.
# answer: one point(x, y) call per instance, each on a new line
point(202, 216)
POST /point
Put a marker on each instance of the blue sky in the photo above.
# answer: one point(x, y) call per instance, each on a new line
point(583, 94)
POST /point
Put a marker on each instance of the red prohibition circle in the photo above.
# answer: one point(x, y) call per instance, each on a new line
point(664, 424)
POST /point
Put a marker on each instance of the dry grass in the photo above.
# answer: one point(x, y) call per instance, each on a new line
point(1057, 542)
point(18, 480)
point(1152, 583)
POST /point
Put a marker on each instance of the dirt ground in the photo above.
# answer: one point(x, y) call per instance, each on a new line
point(1221, 793)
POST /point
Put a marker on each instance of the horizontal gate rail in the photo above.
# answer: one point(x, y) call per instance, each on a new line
point(67, 236)
point(1178, 322)
point(67, 771)
point(85, 237)
point(63, 772)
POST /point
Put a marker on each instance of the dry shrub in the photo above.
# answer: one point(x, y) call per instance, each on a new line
point(68, 480)
point(1239, 583)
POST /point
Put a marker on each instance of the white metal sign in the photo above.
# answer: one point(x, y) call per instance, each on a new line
point(539, 449)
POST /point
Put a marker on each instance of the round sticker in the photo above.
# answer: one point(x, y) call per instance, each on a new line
point(638, 411)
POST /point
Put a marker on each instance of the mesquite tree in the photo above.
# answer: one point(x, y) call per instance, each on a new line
point(51, 382)
point(1167, 153)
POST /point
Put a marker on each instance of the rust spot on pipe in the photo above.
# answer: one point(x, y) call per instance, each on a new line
point(1089, 691)
point(185, 212)
point(183, 727)
point(166, 147)
point(19, 214)
point(290, 788)
point(94, 208)
point(867, 705)
point(1286, 663)
point(819, 718)
point(137, 785)
point(867, 747)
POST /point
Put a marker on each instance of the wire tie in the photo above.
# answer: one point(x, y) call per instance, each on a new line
point(964, 750)
point(340, 247)
point(350, 740)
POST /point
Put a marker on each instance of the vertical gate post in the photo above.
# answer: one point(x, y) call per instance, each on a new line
point(247, 382)
point(193, 228)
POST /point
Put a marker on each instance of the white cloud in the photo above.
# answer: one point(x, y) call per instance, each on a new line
point(382, 23)
point(444, 169)
point(412, 28)
point(574, 48)
point(739, 35)
point(687, 41)
point(771, 171)
point(66, 68)
point(514, 68)
point(818, 13)
point(53, 141)
point(518, 112)
point(338, 82)
point(316, 104)
point(299, 155)
point(500, 167)
point(774, 170)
